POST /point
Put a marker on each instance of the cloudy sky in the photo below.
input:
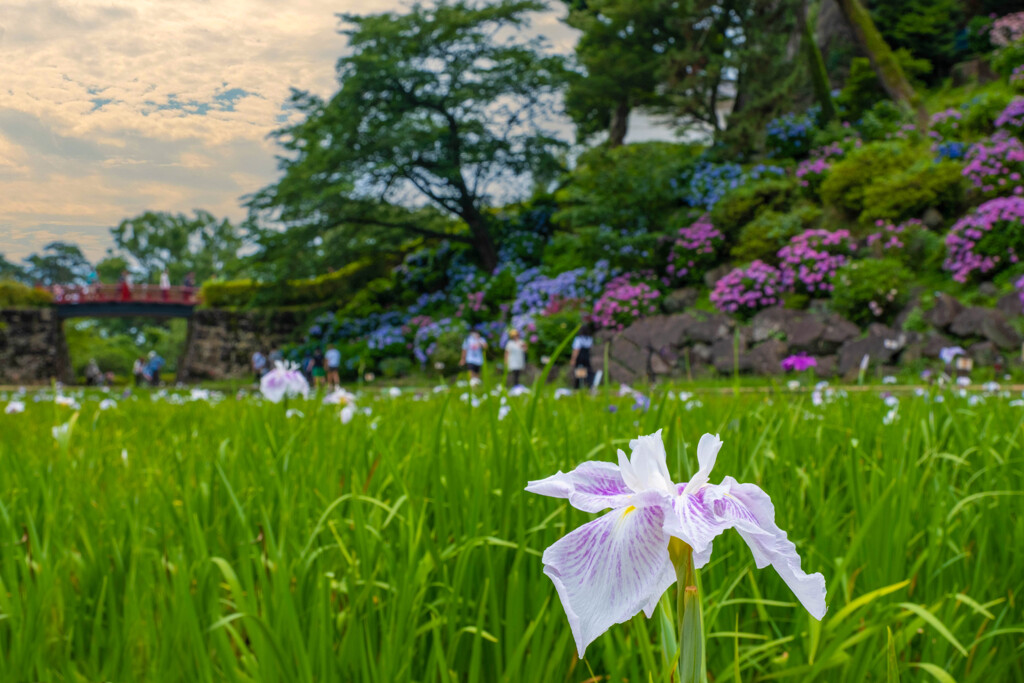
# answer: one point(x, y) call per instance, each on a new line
point(112, 107)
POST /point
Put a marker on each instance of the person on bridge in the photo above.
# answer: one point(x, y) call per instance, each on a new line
point(126, 286)
point(165, 285)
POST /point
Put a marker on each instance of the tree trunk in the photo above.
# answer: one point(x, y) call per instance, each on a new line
point(816, 65)
point(619, 124)
point(882, 59)
point(481, 239)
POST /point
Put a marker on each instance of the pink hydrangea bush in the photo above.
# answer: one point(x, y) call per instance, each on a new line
point(1007, 30)
point(987, 240)
point(995, 166)
point(696, 249)
point(746, 290)
point(946, 124)
point(811, 172)
point(811, 258)
point(626, 299)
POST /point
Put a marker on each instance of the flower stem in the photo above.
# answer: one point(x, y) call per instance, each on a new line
point(692, 667)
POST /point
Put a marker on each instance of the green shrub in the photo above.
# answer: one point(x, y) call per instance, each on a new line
point(16, 295)
point(395, 367)
point(552, 330)
point(848, 179)
point(449, 350)
point(870, 290)
point(981, 111)
point(1008, 59)
point(762, 237)
point(499, 289)
point(883, 120)
point(910, 193)
point(743, 204)
point(330, 287)
point(584, 247)
point(863, 90)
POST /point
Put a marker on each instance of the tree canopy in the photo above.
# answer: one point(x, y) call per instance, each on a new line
point(438, 106)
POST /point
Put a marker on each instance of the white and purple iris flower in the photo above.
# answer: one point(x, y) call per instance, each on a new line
point(284, 380)
point(610, 569)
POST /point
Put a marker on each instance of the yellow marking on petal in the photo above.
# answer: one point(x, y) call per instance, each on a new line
point(628, 510)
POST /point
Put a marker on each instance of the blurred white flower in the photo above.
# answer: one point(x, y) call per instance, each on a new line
point(793, 384)
point(503, 412)
point(963, 381)
point(347, 413)
point(891, 416)
point(864, 362)
point(891, 401)
point(562, 392)
point(440, 388)
point(292, 412)
point(339, 397)
point(65, 401)
point(394, 392)
point(888, 379)
point(518, 390)
point(15, 407)
point(107, 404)
point(284, 380)
point(948, 353)
point(201, 395)
point(991, 387)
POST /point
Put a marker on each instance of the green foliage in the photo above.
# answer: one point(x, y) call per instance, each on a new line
point(16, 295)
point(742, 205)
point(926, 29)
point(626, 188)
point(863, 90)
point(155, 240)
point(12, 271)
point(915, 322)
point(849, 178)
point(59, 263)
point(499, 289)
point(908, 194)
point(552, 330)
point(982, 110)
point(883, 121)
point(449, 349)
point(414, 118)
point(340, 285)
point(1008, 58)
point(585, 247)
point(395, 367)
point(769, 231)
point(870, 290)
point(88, 340)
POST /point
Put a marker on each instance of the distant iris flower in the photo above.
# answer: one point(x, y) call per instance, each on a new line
point(948, 353)
point(15, 407)
point(107, 404)
point(284, 380)
point(798, 363)
point(610, 569)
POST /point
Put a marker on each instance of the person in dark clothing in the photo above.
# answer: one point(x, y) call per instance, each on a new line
point(580, 359)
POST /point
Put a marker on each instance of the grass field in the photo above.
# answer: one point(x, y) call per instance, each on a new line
point(227, 542)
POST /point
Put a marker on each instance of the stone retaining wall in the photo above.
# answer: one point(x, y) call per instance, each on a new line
point(220, 343)
point(32, 347)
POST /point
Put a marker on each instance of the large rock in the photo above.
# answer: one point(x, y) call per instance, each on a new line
point(220, 343)
point(680, 300)
point(766, 357)
point(986, 323)
point(727, 357)
point(711, 329)
point(659, 332)
point(945, 310)
point(826, 367)
point(1010, 305)
point(984, 354)
point(838, 330)
point(934, 343)
point(852, 353)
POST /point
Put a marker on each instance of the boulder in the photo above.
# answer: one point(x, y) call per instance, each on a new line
point(680, 300)
point(838, 330)
point(827, 366)
point(659, 366)
point(723, 357)
point(932, 218)
point(628, 356)
point(765, 358)
point(934, 343)
point(716, 274)
point(701, 353)
point(805, 333)
point(659, 332)
point(984, 354)
point(1010, 305)
point(711, 329)
point(941, 315)
point(771, 323)
point(986, 323)
point(852, 352)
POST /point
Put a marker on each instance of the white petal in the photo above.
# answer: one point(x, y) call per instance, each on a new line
point(629, 475)
point(707, 454)
point(609, 570)
point(699, 518)
point(591, 487)
point(649, 461)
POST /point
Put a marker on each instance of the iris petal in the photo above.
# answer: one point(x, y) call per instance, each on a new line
point(609, 570)
point(591, 487)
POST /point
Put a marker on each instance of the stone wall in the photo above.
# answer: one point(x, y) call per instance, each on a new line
point(700, 344)
point(32, 347)
point(220, 343)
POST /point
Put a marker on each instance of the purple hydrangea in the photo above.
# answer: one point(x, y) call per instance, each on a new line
point(627, 298)
point(995, 165)
point(694, 250)
point(983, 241)
point(748, 289)
point(1012, 118)
point(811, 258)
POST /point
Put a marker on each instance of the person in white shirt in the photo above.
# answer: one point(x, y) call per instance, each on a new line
point(332, 359)
point(515, 356)
point(165, 285)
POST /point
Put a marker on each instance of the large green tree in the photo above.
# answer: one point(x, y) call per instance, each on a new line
point(12, 271)
point(621, 49)
point(59, 263)
point(442, 105)
point(155, 240)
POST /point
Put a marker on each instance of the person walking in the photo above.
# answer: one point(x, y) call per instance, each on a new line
point(189, 284)
point(473, 353)
point(579, 361)
point(515, 356)
point(126, 286)
point(139, 371)
point(165, 285)
point(156, 363)
point(319, 368)
point(333, 360)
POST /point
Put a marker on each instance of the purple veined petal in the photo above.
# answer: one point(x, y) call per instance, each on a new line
point(609, 570)
point(592, 487)
point(755, 520)
point(698, 519)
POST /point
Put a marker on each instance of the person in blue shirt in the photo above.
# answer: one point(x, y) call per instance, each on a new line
point(332, 359)
point(473, 353)
point(156, 363)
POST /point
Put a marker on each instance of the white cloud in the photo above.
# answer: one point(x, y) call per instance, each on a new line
point(100, 105)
